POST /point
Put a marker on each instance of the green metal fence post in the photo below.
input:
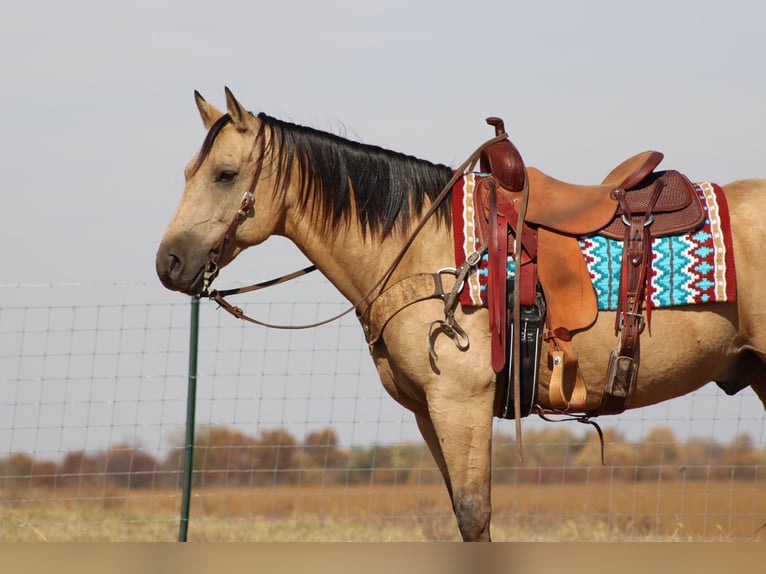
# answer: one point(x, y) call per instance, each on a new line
point(191, 402)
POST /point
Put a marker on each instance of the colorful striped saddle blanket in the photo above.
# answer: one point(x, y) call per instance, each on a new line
point(686, 269)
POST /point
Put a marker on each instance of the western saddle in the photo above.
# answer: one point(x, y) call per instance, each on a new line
point(633, 204)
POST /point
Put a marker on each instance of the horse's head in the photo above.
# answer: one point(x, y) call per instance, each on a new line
point(216, 218)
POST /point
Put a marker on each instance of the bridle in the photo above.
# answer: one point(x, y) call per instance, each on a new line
point(248, 201)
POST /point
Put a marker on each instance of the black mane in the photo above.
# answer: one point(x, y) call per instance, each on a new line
point(338, 177)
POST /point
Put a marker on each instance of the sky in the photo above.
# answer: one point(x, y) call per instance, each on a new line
point(100, 117)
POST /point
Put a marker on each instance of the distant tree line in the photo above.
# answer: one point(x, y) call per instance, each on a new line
point(227, 457)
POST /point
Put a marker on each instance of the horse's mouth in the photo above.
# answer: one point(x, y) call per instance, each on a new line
point(197, 284)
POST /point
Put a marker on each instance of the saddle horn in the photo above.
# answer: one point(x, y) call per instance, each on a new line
point(498, 123)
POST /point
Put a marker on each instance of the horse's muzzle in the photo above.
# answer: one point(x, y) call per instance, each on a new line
point(177, 274)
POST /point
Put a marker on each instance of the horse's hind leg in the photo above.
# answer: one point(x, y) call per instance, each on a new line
point(460, 439)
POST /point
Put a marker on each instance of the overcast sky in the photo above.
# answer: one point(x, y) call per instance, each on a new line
point(99, 117)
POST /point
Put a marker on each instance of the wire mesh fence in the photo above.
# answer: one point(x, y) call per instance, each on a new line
point(297, 440)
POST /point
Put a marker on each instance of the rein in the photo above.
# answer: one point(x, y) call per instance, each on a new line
point(248, 201)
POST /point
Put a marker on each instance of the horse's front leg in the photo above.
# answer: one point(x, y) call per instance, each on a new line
point(452, 400)
point(458, 432)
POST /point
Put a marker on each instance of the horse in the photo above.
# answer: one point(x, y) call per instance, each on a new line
point(351, 209)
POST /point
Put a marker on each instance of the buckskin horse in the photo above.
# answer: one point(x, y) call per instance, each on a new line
point(369, 219)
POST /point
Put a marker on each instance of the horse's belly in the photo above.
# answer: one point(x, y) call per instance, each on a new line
point(685, 348)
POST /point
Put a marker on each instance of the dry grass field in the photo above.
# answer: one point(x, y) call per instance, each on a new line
point(607, 511)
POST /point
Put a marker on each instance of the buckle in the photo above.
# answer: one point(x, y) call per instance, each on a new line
point(647, 223)
point(641, 321)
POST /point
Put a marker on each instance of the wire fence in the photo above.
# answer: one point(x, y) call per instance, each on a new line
point(297, 440)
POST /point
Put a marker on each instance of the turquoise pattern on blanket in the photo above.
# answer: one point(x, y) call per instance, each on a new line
point(672, 266)
point(607, 258)
point(679, 273)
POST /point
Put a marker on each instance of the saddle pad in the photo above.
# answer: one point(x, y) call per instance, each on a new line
point(466, 238)
point(691, 268)
point(687, 269)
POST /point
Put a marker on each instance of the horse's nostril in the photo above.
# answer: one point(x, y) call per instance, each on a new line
point(174, 265)
point(169, 267)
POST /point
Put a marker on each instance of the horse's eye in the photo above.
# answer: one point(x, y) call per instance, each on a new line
point(225, 176)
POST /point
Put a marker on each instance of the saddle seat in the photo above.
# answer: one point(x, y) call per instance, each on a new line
point(583, 209)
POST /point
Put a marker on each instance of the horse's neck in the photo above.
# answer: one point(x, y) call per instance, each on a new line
point(354, 263)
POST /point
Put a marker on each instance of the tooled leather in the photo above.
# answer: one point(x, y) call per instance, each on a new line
point(677, 210)
point(676, 194)
point(503, 161)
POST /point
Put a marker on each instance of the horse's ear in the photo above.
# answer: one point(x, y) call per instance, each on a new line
point(208, 112)
point(240, 117)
